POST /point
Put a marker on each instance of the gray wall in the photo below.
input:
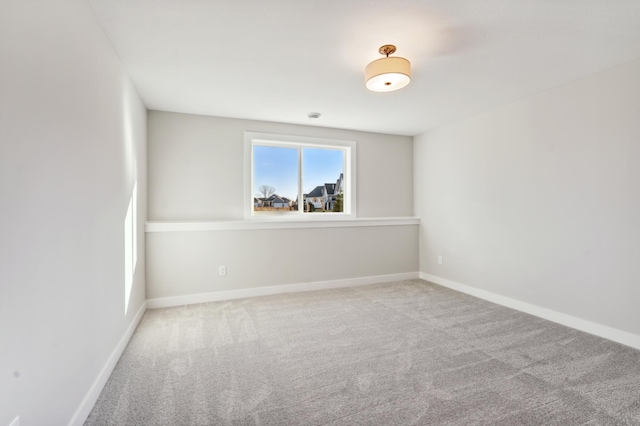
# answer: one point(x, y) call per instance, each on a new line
point(196, 167)
point(539, 200)
point(196, 173)
point(72, 145)
point(181, 263)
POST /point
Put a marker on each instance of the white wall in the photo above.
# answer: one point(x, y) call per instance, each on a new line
point(196, 173)
point(539, 200)
point(72, 145)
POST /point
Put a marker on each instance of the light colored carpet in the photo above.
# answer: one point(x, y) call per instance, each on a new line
point(400, 353)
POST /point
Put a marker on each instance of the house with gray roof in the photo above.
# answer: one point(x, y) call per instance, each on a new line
point(277, 201)
point(323, 197)
point(315, 197)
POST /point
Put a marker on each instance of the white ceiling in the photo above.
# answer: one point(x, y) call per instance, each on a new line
point(279, 60)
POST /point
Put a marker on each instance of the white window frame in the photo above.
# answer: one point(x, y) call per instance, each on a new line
point(289, 141)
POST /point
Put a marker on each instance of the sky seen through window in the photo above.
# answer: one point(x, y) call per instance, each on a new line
point(278, 167)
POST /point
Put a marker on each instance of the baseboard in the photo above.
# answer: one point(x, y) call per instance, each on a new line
point(610, 333)
point(91, 397)
point(165, 302)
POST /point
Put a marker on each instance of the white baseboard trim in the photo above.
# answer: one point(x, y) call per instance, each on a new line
point(81, 414)
point(166, 302)
point(610, 333)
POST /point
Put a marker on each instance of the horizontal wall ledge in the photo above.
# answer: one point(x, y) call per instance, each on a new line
point(278, 224)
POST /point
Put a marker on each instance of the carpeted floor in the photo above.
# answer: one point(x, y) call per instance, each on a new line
point(400, 353)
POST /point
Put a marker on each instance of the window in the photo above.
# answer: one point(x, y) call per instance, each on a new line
point(298, 177)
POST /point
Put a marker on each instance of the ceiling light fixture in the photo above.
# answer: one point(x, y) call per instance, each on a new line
point(387, 74)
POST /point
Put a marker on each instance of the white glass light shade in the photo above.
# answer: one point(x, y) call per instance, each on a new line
point(387, 74)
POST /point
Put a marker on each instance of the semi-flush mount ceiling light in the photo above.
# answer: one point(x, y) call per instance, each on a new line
point(387, 74)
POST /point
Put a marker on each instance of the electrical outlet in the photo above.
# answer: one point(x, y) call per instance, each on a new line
point(222, 270)
point(15, 422)
point(439, 260)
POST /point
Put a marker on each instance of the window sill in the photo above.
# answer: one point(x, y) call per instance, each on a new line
point(278, 224)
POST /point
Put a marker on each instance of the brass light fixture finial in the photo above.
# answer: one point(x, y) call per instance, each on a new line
point(387, 49)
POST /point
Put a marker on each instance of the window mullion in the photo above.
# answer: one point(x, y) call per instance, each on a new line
point(300, 183)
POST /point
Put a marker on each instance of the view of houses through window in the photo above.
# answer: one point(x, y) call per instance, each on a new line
point(279, 172)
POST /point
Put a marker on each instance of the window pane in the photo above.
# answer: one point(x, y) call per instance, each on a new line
point(323, 180)
point(275, 179)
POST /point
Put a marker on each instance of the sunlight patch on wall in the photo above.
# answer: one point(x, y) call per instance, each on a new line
point(130, 246)
point(134, 231)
